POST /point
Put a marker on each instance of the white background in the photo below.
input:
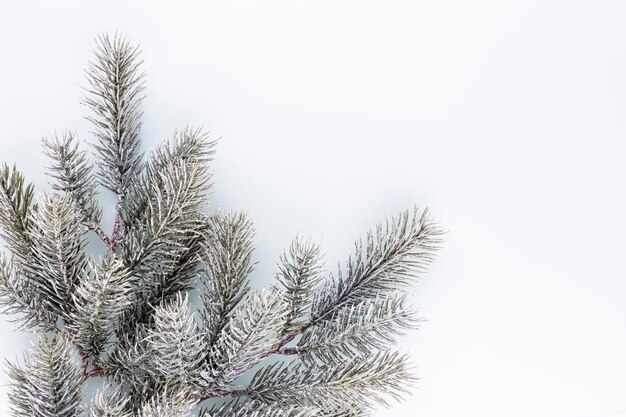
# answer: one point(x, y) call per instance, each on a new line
point(506, 118)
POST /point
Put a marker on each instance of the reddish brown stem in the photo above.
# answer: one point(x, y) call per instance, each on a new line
point(222, 393)
point(288, 351)
point(96, 372)
point(96, 228)
point(85, 359)
point(115, 236)
point(279, 347)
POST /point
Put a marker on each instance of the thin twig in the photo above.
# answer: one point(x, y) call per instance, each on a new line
point(279, 347)
point(98, 230)
point(115, 236)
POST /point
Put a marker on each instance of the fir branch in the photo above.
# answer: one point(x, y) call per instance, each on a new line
point(18, 298)
point(300, 272)
point(165, 284)
point(111, 404)
point(49, 384)
point(166, 404)
point(48, 244)
point(100, 298)
point(175, 346)
point(174, 209)
point(72, 172)
point(16, 199)
point(129, 316)
point(157, 242)
point(251, 332)
point(125, 363)
point(176, 276)
point(167, 266)
point(114, 93)
point(18, 293)
point(58, 244)
point(191, 147)
point(387, 260)
point(373, 378)
point(356, 331)
point(227, 256)
point(257, 409)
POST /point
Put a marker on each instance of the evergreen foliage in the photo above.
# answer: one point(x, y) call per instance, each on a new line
point(314, 344)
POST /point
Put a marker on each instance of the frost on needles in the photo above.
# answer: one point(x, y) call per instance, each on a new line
point(314, 344)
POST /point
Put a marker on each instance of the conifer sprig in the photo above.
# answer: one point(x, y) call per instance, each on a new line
point(301, 270)
point(114, 93)
point(49, 384)
point(167, 316)
point(16, 200)
point(72, 172)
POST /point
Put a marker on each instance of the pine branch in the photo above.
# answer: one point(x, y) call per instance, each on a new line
point(175, 346)
point(358, 330)
point(113, 404)
point(252, 330)
point(137, 318)
point(49, 384)
point(48, 245)
point(166, 404)
point(257, 409)
point(114, 93)
point(19, 298)
point(364, 380)
point(72, 172)
point(16, 200)
point(125, 363)
point(58, 244)
point(165, 223)
point(300, 272)
point(100, 298)
point(161, 237)
point(227, 256)
point(191, 147)
point(167, 266)
point(387, 260)
point(128, 318)
point(160, 285)
point(165, 232)
point(19, 294)
point(175, 201)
